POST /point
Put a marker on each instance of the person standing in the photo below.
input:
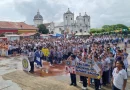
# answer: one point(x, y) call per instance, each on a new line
point(83, 78)
point(97, 81)
point(72, 75)
point(119, 79)
point(125, 42)
point(31, 57)
point(125, 60)
point(38, 60)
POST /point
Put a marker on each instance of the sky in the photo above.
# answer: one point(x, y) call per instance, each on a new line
point(102, 12)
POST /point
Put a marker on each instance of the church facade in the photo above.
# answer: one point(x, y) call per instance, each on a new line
point(69, 24)
point(81, 24)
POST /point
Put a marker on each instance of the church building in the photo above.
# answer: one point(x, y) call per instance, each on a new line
point(81, 24)
point(69, 25)
point(38, 19)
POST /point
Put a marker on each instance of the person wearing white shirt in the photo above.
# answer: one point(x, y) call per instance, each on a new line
point(108, 62)
point(125, 42)
point(74, 60)
point(119, 78)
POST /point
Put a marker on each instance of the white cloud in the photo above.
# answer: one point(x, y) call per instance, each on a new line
point(8, 13)
point(101, 11)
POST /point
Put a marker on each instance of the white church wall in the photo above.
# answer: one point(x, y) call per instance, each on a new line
point(58, 29)
point(81, 23)
point(38, 22)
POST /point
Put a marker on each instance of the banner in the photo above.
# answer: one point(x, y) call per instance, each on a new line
point(38, 59)
point(90, 70)
point(69, 68)
point(26, 64)
point(3, 49)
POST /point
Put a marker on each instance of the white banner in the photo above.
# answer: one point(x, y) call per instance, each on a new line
point(26, 64)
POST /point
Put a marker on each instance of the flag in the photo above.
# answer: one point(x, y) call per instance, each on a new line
point(38, 58)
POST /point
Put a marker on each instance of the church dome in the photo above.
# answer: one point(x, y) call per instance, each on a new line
point(38, 16)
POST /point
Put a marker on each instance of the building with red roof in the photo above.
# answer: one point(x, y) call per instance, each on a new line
point(16, 27)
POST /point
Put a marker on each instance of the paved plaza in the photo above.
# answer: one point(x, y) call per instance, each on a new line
point(12, 77)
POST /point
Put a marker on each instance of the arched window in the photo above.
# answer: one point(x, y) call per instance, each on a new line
point(80, 30)
point(60, 29)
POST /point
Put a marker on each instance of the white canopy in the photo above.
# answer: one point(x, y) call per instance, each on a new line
point(86, 33)
point(79, 34)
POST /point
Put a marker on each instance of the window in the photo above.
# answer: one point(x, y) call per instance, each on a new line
point(66, 17)
point(71, 19)
point(76, 31)
point(60, 29)
point(80, 30)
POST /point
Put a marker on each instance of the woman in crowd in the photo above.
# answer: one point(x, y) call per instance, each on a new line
point(119, 79)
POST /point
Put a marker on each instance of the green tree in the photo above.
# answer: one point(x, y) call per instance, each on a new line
point(42, 29)
point(107, 28)
point(121, 26)
point(110, 29)
point(95, 30)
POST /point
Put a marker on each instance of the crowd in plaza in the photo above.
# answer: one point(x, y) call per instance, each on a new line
point(103, 50)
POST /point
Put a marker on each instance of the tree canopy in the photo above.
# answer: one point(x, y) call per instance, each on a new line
point(42, 29)
point(110, 28)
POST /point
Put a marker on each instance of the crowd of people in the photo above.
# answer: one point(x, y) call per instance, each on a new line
point(105, 51)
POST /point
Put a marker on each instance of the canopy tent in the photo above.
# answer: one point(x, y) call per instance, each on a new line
point(13, 37)
point(57, 35)
point(86, 33)
point(44, 35)
point(79, 34)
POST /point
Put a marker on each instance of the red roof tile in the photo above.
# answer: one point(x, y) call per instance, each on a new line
point(15, 25)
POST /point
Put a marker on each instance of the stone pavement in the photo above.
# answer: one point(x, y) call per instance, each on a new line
point(29, 81)
point(13, 78)
point(8, 65)
point(11, 70)
point(8, 85)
